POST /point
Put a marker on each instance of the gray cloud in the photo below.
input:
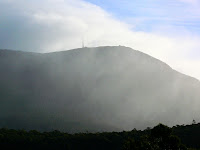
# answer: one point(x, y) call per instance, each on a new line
point(53, 25)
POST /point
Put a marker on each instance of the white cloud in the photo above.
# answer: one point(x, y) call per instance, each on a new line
point(53, 25)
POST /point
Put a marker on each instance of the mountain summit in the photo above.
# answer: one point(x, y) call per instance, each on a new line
point(93, 89)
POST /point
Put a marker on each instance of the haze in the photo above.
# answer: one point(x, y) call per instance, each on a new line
point(93, 89)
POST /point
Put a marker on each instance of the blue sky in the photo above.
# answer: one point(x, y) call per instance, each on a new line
point(148, 14)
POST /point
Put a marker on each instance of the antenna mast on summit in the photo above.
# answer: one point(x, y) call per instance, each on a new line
point(83, 44)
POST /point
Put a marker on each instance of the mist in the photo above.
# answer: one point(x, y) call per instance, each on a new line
point(54, 25)
point(93, 89)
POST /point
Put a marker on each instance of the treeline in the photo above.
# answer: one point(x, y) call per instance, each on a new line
point(160, 137)
point(189, 134)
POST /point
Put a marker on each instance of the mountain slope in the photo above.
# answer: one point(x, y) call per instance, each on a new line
point(94, 89)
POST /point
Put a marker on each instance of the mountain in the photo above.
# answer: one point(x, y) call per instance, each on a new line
point(93, 89)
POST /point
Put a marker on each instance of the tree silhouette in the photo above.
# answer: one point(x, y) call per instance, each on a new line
point(162, 138)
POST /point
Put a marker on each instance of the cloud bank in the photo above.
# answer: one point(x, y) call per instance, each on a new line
point(54, 25)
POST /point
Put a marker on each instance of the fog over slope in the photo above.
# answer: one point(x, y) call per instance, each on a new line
point(93, 89)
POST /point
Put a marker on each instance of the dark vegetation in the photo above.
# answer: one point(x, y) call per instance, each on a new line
point(160, 137)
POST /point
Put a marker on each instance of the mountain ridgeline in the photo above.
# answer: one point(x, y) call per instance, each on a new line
point(93, 89)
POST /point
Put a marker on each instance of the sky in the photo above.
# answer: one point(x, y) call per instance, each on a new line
point(168, 30)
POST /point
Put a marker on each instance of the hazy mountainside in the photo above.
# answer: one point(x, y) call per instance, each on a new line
point(94, 89)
